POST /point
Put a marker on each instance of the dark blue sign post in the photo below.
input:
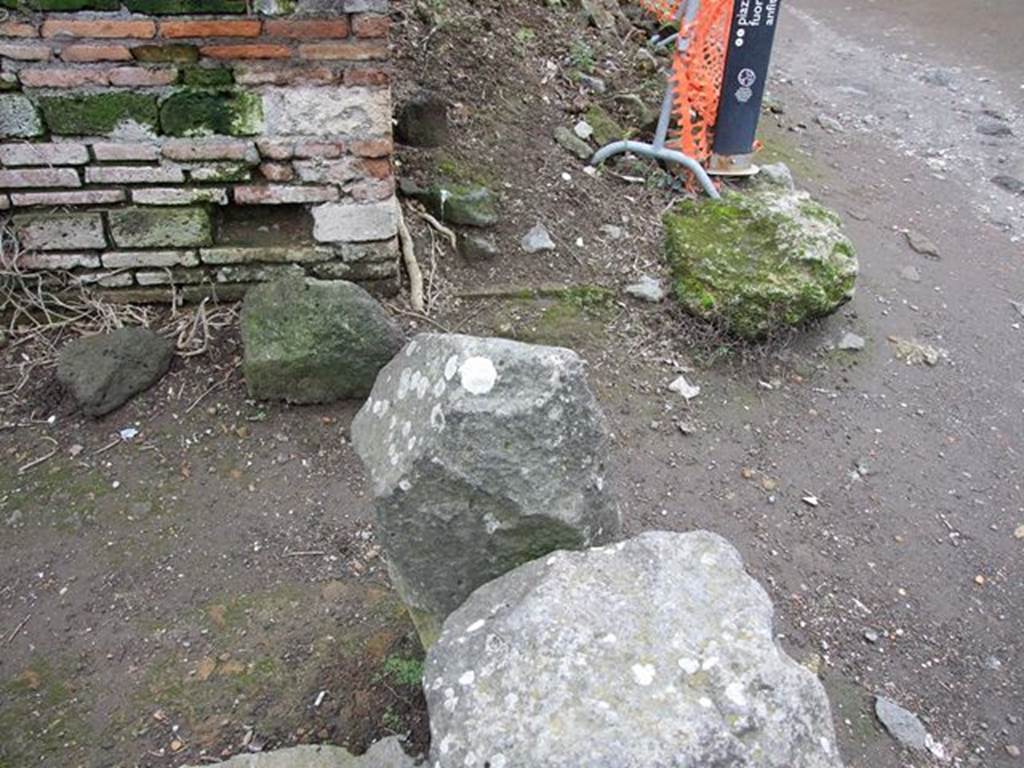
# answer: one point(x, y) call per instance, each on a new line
point(746, 69)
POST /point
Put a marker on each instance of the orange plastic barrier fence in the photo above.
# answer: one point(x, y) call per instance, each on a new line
point(697, 72)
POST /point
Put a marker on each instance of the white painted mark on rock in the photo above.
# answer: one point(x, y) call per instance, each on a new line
point(478, 375)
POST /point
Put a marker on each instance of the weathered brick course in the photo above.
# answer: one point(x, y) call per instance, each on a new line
point(129, 128)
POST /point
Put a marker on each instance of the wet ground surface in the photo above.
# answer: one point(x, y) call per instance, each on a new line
point(212, 585)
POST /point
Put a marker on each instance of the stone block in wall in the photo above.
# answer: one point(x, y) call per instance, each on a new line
point(57, 261)
point(219, 172)
point(114, 152)
point(161, 227)
point(22, 178)
point(134, 174)
point(80, 197)
point(59, 231)
point(122, 259)
point(19, 117)
point(258, 273)
point(266, 254)
point(354, 222)
point(307, 111)
point(100, 114)
point(170, 276)
point(194, 112)
point(279, 194)
point(23, 153)
point(180, 196)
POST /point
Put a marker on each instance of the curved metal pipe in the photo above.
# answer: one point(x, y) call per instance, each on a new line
point(660, 153)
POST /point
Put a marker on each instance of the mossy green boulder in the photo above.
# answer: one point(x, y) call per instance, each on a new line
point(760, 262)
point(314, 341)
point(470, 205)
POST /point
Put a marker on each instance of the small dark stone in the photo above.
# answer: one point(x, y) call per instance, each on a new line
point(423, 121)
point(477, 247)
point(1011, 184)
point(103, 372)
point(994, 128)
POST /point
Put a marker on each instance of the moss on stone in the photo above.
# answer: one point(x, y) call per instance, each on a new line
point(178, 53)
point(98, 113)
point(760, 262)
point(70, 5)
point(169, 7)
point(206, 77)
point(161, 227)
point(606, 128)
point(198, 112)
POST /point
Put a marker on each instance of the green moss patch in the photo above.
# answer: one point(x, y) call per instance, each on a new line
point(195, 112)
point(207, 77)
point(99, 113)
point(761, 262)
point(168, 7)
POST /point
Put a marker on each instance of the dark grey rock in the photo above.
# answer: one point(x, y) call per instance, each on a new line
point(483, 454)
point(995, 128)
point(386, 753)
point(1011, 184)
point(470, 205)
point(475, 246)
point(423, 121)
point(901, 724)
point(593, 84)
point(103, 372)
point(657, 651)
point(314, 341)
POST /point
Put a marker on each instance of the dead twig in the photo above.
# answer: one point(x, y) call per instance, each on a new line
point(17, 629)
point(411, 265)
point(441, 228)
point(36, 462)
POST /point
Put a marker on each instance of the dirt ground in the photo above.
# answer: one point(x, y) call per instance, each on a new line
point(212, 585)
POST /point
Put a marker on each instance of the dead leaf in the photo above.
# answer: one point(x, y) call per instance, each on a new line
point(205, 668)
point(216, 614)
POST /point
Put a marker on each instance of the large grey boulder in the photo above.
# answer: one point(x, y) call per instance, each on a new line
point(104, 371)
point(314, 341)
point(386, 753)
point(483, 454)
point(652, 653)
point(760, 262)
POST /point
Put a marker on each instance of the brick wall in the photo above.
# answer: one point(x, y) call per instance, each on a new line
point(197, 143)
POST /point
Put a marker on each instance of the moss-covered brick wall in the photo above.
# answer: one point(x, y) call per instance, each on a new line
point(152, 147)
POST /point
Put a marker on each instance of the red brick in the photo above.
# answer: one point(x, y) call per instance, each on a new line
point(310, 29)
point(212, 149)
point(80, 53)
point(344, 51)
point(82, 197)
point(372, 147)
point(328, 171)
point(262, 74)
point(377, 169)
point(98, 28)
point(141, 76)
point(274, 194)
point(319, 149)
point(25, 51)
point(371, 190)
point(367, 77)
point(17, 29)
point(370, 25)
point(276, 149)
point(213, 28)
point(63, 78)
point(277, 171)
point(253, 51)
point(39, 177)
